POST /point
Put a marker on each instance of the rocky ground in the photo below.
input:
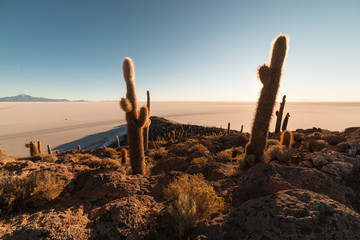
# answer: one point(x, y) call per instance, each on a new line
point(312, 195)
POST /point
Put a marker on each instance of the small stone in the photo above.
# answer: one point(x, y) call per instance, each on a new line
point(352, 151)
point(319, 160)
point(344, 168)
point(306, 164)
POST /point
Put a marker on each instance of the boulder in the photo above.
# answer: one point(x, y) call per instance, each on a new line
point(292, 214)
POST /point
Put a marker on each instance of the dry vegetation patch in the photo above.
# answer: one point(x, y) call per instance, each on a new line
point(30, 190)
point(199, 160)
point(191, 199)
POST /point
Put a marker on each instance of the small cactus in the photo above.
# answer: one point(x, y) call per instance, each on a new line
point(49, 149)
point(118, 141)
point(136, 120)
point(123, 156)
point(39, 146)
point(279, 115)
point(79, 148)
point(287, 138)
point(285, 123)
point(34, 148)
point(147, 126)
point(270, 78)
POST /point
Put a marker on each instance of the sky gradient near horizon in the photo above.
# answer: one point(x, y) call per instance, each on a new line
point(202, 50)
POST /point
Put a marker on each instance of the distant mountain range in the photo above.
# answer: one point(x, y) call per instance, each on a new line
point(28, 98)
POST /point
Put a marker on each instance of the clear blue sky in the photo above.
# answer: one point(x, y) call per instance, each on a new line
point(183, 50)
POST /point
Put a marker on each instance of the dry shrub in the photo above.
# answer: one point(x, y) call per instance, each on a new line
point(2, 155)
point(158, 154)
point(213, 136)
point(81, 157)
point(314, 145)
point(199, 160)
point(198, 147)
point(237, 151)
point(225, 156)
point(190, 199)
point(278, 152)
point(272, 142)
point(33, 189)
point(102, 163)
point(48, 158)
point(95, 162)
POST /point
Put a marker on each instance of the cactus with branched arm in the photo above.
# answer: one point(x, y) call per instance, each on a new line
point(136, 120)
point(34, 148)
point(285, 123)
point(279, 115)
point(270, 78)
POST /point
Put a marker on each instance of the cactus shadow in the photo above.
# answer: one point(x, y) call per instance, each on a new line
point(96, 140)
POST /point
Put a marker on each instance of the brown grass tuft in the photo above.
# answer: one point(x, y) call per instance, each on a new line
point(190, 199)
point(199, 160)
point(32, 189)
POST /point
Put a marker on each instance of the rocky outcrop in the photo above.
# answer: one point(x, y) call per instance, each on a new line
point(292, 214)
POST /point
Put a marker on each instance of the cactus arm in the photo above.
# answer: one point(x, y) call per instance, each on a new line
point(148, 100)
point(278, 54)
point(143, 116)
point(264, 74)
point(126, 105)
point(129, 77)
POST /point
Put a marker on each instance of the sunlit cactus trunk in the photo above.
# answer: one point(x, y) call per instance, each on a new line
point(285, 123)
point(279, 115)
point(147, 126)
point(270, 78)
point(136, 119)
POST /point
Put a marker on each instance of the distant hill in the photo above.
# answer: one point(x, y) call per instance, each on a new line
point(28, 98)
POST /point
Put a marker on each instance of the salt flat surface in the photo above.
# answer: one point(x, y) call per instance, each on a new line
point(64, 125)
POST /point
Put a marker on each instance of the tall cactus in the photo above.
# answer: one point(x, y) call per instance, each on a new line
point(147, 126)
point(270, 78)
point(136, 119)
point(285, 123)
point(279, 115)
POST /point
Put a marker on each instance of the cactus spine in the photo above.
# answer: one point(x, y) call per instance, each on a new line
point(228, 129)
point(279, 115)
point(285, 123)
point(270, 78)
point(287, 138)
point(146, 128)
point(242, 128)
point(136, 120)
